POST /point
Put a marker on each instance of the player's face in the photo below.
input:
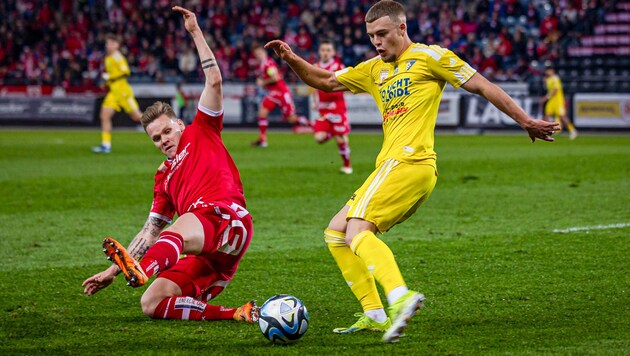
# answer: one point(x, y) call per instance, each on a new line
point(260, 54)
point(165, 134)
point(387, 37)
point(111, 46)
point(326, 52)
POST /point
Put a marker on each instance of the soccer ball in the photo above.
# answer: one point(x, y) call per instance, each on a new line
point(283, 319)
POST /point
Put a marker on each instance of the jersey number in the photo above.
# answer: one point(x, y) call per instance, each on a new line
point(234, 238)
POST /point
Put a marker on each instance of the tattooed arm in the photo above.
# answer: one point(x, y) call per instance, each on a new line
point(137, 248)
point(146, 237)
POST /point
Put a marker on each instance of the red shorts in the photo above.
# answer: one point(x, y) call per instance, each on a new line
point(333, 123)
point(204, 276)
point(283, 99)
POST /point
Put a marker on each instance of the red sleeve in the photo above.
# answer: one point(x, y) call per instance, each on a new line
point(209, 118)
point(161, 208)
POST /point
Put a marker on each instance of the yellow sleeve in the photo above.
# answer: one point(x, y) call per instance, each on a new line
point(446, 65)
point(123, 66)
point(358, 79)
point(116, 66)
point(109, 65)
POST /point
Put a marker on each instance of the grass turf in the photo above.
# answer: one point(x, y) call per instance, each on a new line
point(498, 280)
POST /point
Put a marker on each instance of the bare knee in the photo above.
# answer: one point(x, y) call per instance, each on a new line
point(159, 290)
point(357, 226)
point(321, 137)
point(149, 304)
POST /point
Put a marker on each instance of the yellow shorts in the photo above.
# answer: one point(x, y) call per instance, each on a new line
point(555, 109)
point(392, 193)
point(121, 98)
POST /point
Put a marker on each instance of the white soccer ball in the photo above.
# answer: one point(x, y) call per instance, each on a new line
point(283, 319)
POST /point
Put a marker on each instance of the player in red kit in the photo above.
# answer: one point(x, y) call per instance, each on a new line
point(201, 184)
point(333, 118)
point(278, 95)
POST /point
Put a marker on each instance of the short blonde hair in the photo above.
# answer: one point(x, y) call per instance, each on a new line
point(156, 110)
point(394, 10)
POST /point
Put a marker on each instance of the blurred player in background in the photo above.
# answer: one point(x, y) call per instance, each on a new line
point(200, 183)
point(406, 80)
point(278, 95)
point(333, 117)
point(120, 95)
point(555, 106)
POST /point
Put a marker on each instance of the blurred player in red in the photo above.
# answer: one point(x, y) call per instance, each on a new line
point(333, 118)
point(278, 95)
point(200, 183)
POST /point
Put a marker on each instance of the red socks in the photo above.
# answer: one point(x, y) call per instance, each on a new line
point(344, 152)
point(187, 308)
point(163, 254)
point(262, 127)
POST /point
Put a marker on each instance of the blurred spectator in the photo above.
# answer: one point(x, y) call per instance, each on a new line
point(61, 42)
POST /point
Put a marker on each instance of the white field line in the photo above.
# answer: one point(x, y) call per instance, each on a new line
point(596, 227)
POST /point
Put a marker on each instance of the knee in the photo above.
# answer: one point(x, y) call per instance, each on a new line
point(148, 305)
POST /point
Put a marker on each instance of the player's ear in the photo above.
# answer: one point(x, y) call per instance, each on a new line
point(402, 28)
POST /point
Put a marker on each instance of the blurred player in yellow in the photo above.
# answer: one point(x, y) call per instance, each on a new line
point(120, 95)
point(555, 107)
point(406, 80)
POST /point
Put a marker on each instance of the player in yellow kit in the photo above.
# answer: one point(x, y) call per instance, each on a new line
point(120, 95)
point(555, 107)
point(406, 80)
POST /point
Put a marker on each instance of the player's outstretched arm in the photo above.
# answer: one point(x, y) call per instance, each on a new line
point(537, 129)
point(212, 94)
point(313, 76)
point(149, 234)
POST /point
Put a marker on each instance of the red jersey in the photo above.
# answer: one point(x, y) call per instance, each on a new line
point(331, 101)
point(267, 68)
point(202, 173)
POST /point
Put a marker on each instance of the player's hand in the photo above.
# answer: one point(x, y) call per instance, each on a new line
point(99, 281)
point(540, 129)
point(282, 49)
point(190, 20)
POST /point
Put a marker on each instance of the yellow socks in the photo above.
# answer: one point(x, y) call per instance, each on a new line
point(354, 270)
point(106, 139)
point(379, 260)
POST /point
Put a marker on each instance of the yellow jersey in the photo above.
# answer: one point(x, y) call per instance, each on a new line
point(557, 99)
point(117, 68)
point(408, 93)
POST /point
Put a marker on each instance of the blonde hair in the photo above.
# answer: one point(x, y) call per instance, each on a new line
point(395, 11)
point(156, 110)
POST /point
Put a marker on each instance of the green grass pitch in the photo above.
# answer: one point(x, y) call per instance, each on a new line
point(497, 278)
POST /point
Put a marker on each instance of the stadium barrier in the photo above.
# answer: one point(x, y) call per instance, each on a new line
point(47, 109)
point(458, 109)
point(611, 111)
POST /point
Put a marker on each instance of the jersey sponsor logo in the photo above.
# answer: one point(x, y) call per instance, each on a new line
point(397, 89)
point(176, 163)
point(397, 111)
point(190, 304)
